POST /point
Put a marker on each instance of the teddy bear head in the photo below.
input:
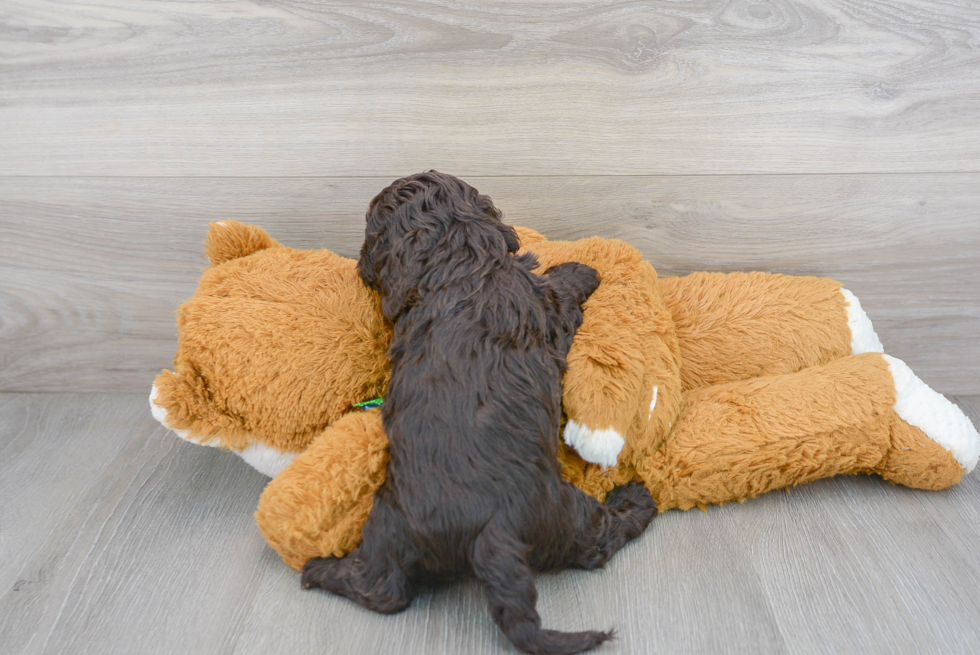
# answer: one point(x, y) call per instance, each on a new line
point(274, 346)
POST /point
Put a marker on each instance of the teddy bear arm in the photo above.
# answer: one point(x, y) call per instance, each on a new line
point(317, 506)
point(741, 439)
point(737, 326)
point(608, 379)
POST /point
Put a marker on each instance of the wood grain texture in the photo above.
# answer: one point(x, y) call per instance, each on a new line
point(857, 565)
point(844, 564)
point(965, 502)
point(70, 441)
point(117, 537)
point(157, 555)
point(477, 87)
point(94, 267)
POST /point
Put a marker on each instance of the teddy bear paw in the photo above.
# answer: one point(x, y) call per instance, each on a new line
point(160, 414)
point(930, 411)
point(863, 336)
point(595, 446)
point(268, 461)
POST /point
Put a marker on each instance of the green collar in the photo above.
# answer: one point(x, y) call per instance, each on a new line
point(370, 404)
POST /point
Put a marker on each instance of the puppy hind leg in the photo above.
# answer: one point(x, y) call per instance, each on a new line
point(499, 562)
point(374, 574)
point(385, 590)
point(627, 512)
point(631, 509)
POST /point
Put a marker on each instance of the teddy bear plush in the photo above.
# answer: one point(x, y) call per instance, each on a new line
point(707, 388)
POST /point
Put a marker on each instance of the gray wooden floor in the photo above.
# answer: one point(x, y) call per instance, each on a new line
point(117, 537)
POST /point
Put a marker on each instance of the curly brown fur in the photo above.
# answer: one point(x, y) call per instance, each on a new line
point(472, 416)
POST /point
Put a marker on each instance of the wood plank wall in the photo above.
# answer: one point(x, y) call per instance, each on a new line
point(819, 137)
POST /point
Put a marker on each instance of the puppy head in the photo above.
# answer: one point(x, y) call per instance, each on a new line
point(425, 229)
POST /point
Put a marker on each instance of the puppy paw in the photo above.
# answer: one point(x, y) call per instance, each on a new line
point(318, 572)
point(931, 412)
point(595, 446)
point(577, 280)
point(632, 499)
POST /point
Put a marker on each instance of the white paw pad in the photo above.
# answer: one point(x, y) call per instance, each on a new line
point(596, 446)
point(160, 414)
point(264, 459)
point(931, 412)
point(863, 337)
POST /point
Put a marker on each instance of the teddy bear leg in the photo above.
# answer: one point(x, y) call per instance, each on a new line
point(624, 355)
point(864, 413)
point(622, 386)
point(741, 439)
point(318, 505)
point(933, 443)
point(169, 382)
point(738, 326)
point(572, 284)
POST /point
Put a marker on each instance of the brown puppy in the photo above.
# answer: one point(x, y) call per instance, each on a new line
point(472, 415)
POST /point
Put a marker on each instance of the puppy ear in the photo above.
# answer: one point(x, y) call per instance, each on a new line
point(366, 268)
point(395, 272)
point(402, 284)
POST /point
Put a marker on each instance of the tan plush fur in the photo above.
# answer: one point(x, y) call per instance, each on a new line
point(915, 460)
point(261, 334)
point(230, 240)
point(319, 508)
point(814, 423)
point(756, 386)
point(737, 326)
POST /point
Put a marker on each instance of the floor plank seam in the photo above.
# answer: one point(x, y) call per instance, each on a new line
point(493, 176)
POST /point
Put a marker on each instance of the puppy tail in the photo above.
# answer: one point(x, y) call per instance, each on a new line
point(229, 240)
point(562, 643)
point(500, 562)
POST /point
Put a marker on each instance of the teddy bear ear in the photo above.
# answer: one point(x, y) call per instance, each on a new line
point(229, 240)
